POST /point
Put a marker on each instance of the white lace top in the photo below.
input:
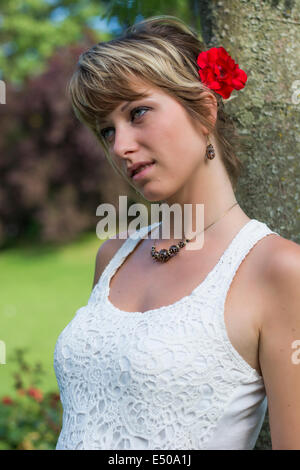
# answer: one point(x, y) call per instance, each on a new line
point(168, 378)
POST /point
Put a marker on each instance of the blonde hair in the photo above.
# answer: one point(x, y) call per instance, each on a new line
point(162, 51)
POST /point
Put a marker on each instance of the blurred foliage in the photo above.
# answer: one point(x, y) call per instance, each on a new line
point(32, 30)
point(30, 419)
point(52, 169)
point(131, 11)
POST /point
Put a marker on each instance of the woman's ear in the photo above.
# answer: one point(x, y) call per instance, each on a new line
point(212, 105)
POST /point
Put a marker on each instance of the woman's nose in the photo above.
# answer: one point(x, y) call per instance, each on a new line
point(124, 142)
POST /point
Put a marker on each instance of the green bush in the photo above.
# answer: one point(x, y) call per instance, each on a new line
point(29, 419)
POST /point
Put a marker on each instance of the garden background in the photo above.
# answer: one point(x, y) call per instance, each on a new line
point(53, 174)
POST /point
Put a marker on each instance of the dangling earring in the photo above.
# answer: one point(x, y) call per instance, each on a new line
point(210, 151)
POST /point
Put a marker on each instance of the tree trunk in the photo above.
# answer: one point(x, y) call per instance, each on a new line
point(263, 38)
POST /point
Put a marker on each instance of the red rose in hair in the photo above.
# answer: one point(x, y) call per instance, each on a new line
point(220, 72)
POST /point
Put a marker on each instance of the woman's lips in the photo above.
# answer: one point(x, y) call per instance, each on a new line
point(143, 173)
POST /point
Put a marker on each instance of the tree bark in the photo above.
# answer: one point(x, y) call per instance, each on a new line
point(263, 38)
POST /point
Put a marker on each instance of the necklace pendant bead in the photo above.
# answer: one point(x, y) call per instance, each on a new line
point(164, 255)
point(173, 249)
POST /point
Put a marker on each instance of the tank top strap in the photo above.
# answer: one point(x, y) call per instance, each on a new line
point(128, 246)
point(100, 288)
point(247, 238)
point(119, 257)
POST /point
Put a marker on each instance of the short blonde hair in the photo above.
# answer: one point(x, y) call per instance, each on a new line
point(162, 51)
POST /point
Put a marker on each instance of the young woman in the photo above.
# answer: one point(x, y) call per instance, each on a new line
point(178, 349)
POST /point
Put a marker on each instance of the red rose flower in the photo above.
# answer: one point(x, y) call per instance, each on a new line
point(220, 72)
point(35, 393)
point(7, 400)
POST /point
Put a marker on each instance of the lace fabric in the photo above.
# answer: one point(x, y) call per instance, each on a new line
point(160, 379)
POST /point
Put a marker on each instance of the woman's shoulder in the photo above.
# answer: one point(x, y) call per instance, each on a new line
point(280, 257)
point(106, 252)
point(279, 270)
point(109, 248)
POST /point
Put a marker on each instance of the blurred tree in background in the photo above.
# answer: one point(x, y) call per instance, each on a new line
point(52, 170)
point(32, 30)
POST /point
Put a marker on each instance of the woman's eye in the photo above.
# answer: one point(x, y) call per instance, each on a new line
point(133, 112)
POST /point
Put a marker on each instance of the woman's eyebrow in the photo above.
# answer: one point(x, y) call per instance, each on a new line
point(124, 107)
point(107, 119)
point(132, 101)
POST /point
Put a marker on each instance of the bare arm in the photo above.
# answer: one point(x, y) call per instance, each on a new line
point(279, 342)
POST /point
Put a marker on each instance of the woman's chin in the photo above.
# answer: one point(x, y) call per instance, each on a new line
point(152, 191)
point(151, 196)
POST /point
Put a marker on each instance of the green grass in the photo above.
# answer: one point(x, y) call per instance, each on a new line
point(40, 291)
